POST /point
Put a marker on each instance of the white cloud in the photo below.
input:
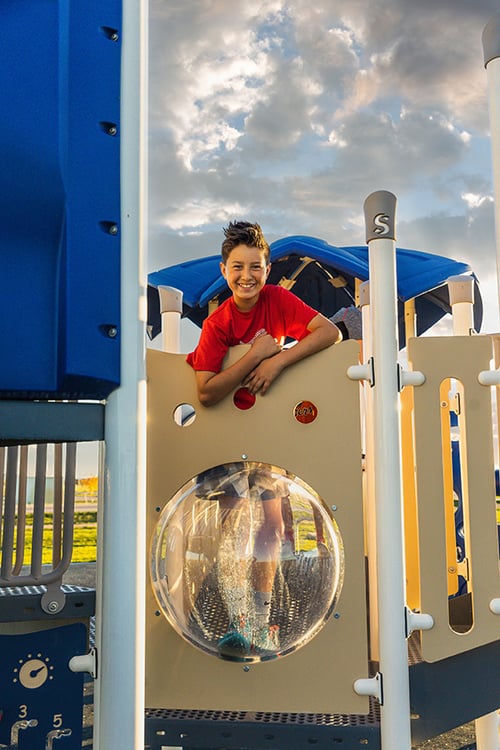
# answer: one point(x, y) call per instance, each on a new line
point(198, 214)
point(292, 113)
point(473, 200)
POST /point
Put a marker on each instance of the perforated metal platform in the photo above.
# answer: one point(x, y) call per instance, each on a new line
point(443, 695)
point(206, 730)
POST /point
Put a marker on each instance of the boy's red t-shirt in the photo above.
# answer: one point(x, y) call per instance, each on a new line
point(278, 312)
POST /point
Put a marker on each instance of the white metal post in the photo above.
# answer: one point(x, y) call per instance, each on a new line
point(487, 726)
point(121, 554)
point(170, 310)
point(461, 292)
point(369, 475)
point(380, 208)
point(491, 49)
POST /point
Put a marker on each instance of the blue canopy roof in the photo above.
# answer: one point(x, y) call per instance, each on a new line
point(419, 275)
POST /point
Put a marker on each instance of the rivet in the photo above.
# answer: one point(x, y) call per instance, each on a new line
point(113, 229)
point(114, 36)
point(112, 130)
point(334, 507)
point(112, 332)
point(246, 668)
point(336, 615)
point(244, 456)
point(157, 613)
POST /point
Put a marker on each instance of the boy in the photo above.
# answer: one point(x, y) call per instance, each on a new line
point(262, 316)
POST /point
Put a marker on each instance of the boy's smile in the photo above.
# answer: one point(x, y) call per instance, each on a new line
point(246, 272)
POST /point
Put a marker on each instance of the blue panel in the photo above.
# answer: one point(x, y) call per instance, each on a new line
point(40, 694)
point(59, 198)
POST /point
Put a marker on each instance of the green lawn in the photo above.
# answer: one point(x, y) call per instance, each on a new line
point(84, 537)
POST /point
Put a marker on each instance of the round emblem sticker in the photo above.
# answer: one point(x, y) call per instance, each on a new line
point(305, 412)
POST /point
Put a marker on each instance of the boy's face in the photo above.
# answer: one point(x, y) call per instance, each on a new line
point(246, 273)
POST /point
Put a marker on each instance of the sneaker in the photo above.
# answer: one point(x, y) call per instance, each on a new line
point(237, 641)
point(266, 638)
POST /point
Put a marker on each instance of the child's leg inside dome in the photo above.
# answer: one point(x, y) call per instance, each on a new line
point(249, 553)
point(235, 555)
point(267, 549)
point(234, 562)
point(288, 542)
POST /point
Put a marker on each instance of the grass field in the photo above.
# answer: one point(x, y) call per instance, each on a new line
point(84, 537)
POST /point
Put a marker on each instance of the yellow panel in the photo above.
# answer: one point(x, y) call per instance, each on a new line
point(461, 358)
point(410, 501)
point(326, 454)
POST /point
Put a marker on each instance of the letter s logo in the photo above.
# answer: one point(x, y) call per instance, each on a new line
point(381, 224)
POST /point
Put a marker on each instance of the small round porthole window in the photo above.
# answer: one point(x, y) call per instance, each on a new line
point(246, 562)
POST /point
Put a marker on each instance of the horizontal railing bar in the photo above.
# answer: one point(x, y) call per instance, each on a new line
point(24, 422)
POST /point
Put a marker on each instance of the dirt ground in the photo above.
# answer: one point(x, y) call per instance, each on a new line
point(461, 738)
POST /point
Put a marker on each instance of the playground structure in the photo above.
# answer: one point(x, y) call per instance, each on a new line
point(450, 603)
point(411, 647)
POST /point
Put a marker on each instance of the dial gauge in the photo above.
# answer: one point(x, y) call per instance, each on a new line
point(33, 672)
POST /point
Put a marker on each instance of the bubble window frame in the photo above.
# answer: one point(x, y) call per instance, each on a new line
point(211, 541)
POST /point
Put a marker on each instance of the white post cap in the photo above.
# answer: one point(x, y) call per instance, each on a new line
point(170, 299)
point(461, 289)
point(491, 40)
point(380, 216)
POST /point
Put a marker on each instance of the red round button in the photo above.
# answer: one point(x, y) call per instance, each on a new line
point(243, 399)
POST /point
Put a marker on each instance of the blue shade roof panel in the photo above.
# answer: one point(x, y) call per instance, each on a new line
point(419, 275)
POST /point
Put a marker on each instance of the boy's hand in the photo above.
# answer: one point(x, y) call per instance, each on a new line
point(214, 386)
point(265, 346)
point(264, 374)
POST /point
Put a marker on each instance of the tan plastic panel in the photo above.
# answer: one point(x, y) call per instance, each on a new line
point(462, 358)
point(327, 455)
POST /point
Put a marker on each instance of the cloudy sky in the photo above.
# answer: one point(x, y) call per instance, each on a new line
point(291, 113)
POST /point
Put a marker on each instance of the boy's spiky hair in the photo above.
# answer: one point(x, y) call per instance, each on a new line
point(243, 233)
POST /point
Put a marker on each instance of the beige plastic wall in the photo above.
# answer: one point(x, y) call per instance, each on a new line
point(325, 454)
point(460, 358)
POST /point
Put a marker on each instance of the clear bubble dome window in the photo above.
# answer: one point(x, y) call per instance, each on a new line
point(247, 564)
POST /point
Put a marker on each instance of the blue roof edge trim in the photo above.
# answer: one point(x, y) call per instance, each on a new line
point(417, 272)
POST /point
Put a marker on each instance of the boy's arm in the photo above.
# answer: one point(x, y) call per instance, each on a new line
point(214, 386)
point(322, 334)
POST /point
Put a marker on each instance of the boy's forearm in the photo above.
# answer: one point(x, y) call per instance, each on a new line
point(213, 387)
point(217, 388)
point(220, 384)
point(320, 338)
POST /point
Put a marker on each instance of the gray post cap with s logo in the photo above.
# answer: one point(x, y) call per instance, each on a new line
point(380, 216)
point(491, 40)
